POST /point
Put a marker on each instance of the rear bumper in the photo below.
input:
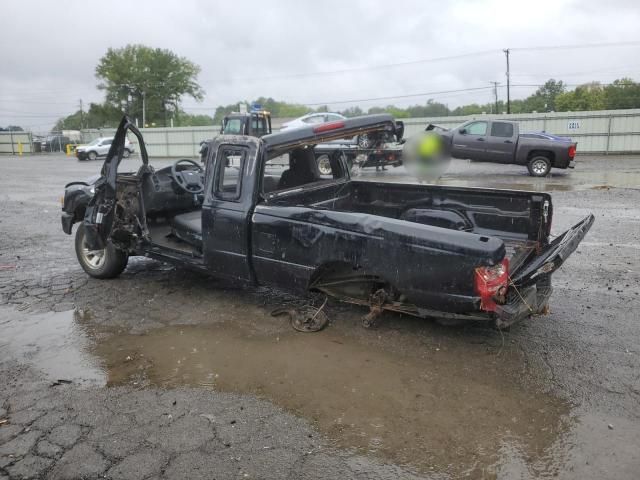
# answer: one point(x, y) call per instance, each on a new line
point(532, 300)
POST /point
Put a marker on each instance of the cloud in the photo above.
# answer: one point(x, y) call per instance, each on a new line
point(50, 49)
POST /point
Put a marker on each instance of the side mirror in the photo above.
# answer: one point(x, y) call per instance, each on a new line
point(463, 131)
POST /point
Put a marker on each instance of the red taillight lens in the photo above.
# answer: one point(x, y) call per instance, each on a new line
point(491, 282)
point(572, 151)
point(326, 127)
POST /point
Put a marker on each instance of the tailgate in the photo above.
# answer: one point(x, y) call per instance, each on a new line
point(553, 255)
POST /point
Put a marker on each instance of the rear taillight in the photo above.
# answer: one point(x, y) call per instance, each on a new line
point(491, 284)
point(572, 151)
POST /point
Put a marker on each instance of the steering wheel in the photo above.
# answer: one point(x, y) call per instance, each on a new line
point(189, 180)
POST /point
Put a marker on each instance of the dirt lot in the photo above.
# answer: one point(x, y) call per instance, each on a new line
point(169, 374)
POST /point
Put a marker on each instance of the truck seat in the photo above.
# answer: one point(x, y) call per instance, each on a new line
point(188, 227)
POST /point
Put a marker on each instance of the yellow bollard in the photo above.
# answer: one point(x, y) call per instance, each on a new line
point(68, 149)
point(20, 149)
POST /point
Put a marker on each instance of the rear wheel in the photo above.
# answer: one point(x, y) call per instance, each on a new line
point(106, 263)
point(539, 166)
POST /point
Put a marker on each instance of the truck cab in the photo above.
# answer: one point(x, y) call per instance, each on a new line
point(255, 123)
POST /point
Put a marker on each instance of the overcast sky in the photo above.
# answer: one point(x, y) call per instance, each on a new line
point(49, 49)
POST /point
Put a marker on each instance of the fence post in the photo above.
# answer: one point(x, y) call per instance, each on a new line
point(608, 135)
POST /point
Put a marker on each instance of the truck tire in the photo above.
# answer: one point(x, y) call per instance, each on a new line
point(539, 166)
point(107, 263)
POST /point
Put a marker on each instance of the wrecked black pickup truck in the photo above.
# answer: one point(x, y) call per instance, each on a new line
point(260, 211)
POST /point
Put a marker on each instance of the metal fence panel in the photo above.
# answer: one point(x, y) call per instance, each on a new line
point(12, 142)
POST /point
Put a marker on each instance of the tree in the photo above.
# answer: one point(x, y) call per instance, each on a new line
point(352, 112)
point(589, 96)
point(158, 77)
point(99, 115)
point(622, 93)
point(544, 99)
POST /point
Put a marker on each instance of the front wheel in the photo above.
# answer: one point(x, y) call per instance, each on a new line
point(92, 155)
point(539, 166)
point(106, 263)
point(126, 153)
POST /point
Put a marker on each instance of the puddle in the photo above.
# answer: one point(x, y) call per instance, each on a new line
point(431, 411)
point(53, 343)
point(456, 409)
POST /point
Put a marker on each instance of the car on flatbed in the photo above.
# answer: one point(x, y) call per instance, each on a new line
point(499, 141)
point(260, 212)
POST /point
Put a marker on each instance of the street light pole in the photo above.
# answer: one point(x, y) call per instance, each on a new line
point(506, 52)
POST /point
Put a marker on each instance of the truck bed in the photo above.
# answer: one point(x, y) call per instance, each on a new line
point(512, 216)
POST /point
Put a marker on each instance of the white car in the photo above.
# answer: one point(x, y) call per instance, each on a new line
point(311, 119)
point(100, 147)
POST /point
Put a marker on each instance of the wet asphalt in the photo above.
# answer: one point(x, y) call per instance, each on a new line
point(163, 373)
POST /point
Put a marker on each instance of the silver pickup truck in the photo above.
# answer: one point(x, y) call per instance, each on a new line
point(499, 141)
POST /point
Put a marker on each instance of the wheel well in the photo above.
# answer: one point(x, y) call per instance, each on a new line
point(541, 153)
point(347, 280)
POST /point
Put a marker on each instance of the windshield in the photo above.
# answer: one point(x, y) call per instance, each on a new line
point(94, 142)
point(233, 126)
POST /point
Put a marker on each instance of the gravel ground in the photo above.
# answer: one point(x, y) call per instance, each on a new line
point(173, 375)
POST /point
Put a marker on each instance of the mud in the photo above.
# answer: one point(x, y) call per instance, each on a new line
point(427, 410)
point(430, 411)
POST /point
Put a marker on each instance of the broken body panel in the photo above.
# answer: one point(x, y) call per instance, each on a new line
point(446, 252)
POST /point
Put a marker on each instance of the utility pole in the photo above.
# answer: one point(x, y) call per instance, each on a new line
point(81, 116)
point(495, 93)
point(506, 52)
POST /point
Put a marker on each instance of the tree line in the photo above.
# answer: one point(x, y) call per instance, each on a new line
point(149, 84)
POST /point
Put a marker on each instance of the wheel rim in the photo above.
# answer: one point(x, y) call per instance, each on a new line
point(539, 167)
point(324, 165)
point(92, 156)
point(93, 258)
point(363, 141)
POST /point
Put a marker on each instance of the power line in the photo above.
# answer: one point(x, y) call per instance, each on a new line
point(425, 94)
point(367, 68)
point(578, 46)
